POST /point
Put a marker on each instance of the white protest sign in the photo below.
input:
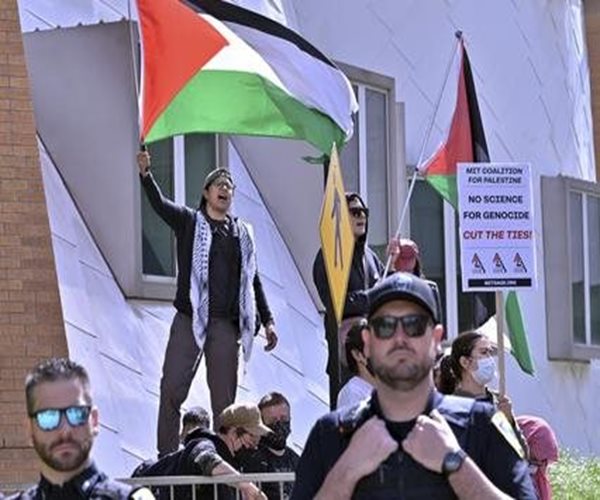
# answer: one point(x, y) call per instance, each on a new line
point(496, 226)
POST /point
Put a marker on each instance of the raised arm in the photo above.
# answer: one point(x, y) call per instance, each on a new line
point(174, 215)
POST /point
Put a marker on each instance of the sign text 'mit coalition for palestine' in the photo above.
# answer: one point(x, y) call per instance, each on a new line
point(494, 175)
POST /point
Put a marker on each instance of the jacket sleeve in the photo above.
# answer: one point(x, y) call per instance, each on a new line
point(174, 215)
point(356, 303)
point(501, 463)
point(320, 280)
point(311, 470)
point(261, 301)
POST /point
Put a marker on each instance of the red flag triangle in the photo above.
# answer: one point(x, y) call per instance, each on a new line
point(176, 42)
point(458, 146)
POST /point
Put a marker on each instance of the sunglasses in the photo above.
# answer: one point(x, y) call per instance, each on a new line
point(413, 325)
point(358, 211)
point(49, 419)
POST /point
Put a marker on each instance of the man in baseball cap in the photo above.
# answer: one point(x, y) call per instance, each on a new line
point(408, 440)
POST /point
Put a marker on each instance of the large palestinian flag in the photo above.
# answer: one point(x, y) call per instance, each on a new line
point(210, 66)
point(466, 143)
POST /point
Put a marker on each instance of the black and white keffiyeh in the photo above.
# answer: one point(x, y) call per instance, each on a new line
point(199, 293)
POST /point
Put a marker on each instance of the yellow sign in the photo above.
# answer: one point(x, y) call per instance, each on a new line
point(337, 238)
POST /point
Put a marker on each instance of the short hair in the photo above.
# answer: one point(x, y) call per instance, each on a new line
point(272, 399)
point(51, 370)
point(354, 342)
point(197, 417)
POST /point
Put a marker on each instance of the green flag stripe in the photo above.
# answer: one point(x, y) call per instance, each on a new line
point(516, 330)
point(236, 102)
point(445, 185)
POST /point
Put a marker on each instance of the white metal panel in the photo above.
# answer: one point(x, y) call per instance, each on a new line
point(48, 14)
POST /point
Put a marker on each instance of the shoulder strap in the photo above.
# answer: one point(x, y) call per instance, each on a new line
point(353, 417)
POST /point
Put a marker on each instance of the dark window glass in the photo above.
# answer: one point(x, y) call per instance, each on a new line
point(593, 246)
point(200, 159)
point(577, 290)
point(427, 230)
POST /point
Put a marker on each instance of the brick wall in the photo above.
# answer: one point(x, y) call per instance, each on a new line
point(31, 325)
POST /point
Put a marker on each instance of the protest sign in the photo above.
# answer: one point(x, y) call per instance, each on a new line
point(496, 226)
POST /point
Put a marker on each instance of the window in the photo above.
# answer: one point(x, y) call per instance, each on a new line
point(365, 159)
point(179, 166)
point(571, 221)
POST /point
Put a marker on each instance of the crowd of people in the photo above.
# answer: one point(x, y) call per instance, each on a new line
point(411, 422)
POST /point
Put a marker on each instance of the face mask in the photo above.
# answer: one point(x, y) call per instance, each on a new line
point(276, 440)
point(486, 370)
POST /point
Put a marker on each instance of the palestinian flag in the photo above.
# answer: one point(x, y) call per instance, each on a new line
point(210, 66)
point(466, 143)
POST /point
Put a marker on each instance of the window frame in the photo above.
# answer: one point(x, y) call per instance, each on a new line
point(557, 237)
point(395, 162)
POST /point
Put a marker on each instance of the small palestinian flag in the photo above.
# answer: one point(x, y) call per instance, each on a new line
point(466, 143)
point(210, 66)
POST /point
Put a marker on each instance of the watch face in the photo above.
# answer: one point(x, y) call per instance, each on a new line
point(452, 461)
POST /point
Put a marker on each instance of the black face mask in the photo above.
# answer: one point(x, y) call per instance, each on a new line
point(276, 440)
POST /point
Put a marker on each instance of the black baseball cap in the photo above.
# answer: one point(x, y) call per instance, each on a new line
point(406, 286)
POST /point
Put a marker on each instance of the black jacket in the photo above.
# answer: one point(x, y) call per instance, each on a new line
point(91, 484)
point(399, 476)
point(366, 269)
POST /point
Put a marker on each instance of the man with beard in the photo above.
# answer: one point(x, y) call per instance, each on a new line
point(273, 454)
point(365, 270)
point(408, 441)
point(63, 423)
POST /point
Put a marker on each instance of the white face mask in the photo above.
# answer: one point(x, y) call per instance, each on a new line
point(486, 371)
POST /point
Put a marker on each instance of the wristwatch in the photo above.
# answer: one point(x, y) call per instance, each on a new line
point(453, 461)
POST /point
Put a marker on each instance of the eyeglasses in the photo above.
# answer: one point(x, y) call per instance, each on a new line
point(224, 184)
point(49, 419)
point(358, 211)
point(413, 325)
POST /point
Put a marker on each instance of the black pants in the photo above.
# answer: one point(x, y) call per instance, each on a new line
point(182, 358)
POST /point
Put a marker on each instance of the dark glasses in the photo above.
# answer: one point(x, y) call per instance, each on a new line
point(49, 419)
point(358, 211)
point(413, 325)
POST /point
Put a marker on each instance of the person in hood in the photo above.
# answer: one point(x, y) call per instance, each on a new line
point(273, 454)
point(543, 451)
point(219, 298)
point(365, 271)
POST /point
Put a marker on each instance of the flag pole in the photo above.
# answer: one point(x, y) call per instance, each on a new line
point(136, 82)
point(459, 37)
point(500, 343)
